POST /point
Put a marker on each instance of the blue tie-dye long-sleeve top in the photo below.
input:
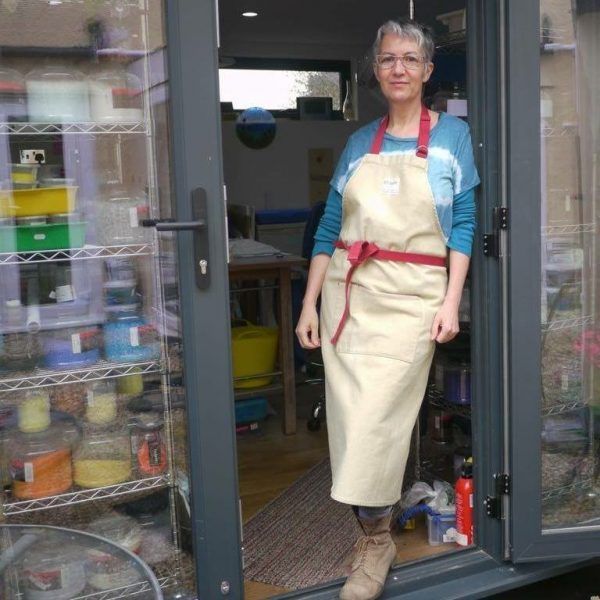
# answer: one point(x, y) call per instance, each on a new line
point(451, 172)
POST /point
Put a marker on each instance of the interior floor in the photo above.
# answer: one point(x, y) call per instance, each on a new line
point(261, 479)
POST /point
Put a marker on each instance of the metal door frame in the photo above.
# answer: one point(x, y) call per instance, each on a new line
point(195, 127)
point(523, 196)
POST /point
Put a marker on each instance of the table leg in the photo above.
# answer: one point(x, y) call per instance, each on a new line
point(286, 352)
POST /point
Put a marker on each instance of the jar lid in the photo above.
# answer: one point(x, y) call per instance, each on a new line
point(11, 81)
point(147, 421)
point(49, 440)
point(56, 73)
point(120, 81)
point(119, 283)
point(122, 308)
point(43, 555)
point(118, 528)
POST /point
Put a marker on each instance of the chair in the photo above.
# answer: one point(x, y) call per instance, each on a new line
point(241, 220)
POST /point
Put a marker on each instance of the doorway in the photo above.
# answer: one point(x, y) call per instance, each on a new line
point(309, 68)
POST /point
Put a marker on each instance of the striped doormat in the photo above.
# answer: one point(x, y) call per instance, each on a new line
point(301, 538)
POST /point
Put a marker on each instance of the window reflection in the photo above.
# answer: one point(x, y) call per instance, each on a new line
point(570, 135)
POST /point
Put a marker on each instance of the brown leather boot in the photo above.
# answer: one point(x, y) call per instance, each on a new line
point(373, 555)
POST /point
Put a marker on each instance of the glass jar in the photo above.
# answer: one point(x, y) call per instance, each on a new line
point(57, 94)
point(40, 463)
point(116, 96)
point(121, 292)
point(131, 386)
point(69, 398)
point(102, 457)
point(13, 98)
point(34, 411)
point(109, 571)
point(457, 383)
point(49, 575)
point(148, 443)
point(101, 403)
point(442, 426)
point(21, 351)
point(128, 336)
point(120, 212)
point(72, 347)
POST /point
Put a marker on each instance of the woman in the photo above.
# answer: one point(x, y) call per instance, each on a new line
point(402, 194)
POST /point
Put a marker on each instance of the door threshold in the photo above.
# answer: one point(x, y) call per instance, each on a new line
point(467, 575)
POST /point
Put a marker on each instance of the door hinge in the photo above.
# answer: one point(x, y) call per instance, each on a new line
point(493, 504)
point(491, 241)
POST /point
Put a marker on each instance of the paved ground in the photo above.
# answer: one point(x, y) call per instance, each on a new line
point(583, 584)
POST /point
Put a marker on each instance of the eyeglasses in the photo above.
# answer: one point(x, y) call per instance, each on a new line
point(388, 61)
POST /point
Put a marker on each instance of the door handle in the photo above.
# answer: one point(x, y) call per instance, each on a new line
point(200, 230)
point(173, 225)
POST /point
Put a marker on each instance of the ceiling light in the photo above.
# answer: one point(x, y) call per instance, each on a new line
point(249, 13)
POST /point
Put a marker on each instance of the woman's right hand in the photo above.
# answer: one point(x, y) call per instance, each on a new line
point(307, 329)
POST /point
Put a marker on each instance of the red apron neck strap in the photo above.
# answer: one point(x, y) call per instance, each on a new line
point(424, 128)
point(422, 140)
point(378, 139)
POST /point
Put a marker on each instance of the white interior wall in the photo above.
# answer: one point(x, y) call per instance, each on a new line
point(277, 176)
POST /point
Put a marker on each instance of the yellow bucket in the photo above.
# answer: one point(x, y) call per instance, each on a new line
point(253, 352)
point(37, 201)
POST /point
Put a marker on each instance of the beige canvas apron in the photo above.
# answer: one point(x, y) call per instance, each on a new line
point(377, 371)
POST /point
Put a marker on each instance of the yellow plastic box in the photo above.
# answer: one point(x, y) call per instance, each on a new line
point(254, 352)
point(37, 201)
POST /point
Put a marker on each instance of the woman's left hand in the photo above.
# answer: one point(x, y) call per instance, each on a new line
point(445, 324)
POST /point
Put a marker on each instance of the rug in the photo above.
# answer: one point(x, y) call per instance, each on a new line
point(301, 538)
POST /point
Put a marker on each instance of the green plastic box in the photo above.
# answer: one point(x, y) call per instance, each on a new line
point(37, 238)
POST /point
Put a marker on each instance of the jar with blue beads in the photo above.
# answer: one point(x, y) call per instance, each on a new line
point(128, 335)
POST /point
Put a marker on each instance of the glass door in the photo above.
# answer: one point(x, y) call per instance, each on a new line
point(112, 245)
point(553, 322)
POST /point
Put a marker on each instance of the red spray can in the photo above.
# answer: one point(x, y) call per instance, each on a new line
point(464, 504)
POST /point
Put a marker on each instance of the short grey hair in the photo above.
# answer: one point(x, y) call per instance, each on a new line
point(412, 30)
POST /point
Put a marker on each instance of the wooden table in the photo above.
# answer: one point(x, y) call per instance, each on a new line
point(277, 267)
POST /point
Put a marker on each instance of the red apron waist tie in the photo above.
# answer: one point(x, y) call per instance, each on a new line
point(359, 252)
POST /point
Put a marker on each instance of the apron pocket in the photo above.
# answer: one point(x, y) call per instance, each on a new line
point(381, 324)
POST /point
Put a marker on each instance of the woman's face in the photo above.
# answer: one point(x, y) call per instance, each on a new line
point(398, 83)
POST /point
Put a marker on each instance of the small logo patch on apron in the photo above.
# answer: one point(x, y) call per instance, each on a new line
point(391, 187)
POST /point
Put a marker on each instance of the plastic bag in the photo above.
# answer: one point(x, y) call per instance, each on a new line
point(439, 498)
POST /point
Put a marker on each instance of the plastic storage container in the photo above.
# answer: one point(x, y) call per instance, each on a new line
point(148, 443)
point(39, 201)
point(457, 383)
point(24, 176)
point(110, 571)
point(73, 347)
point(20, 351)
point(116, 96)
point(120, 212)
point(250, 410)
point(254, 351)
point(131, 386)
point(101, 402)
point(102, 457)
point(69, 398)
point(13, 96)
point(441, 529)
point(121, 292)
point(40, 463)
point(34, 411)
point(57, 95)
point(49, 575)
point(40, 237)
point(128, 336)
